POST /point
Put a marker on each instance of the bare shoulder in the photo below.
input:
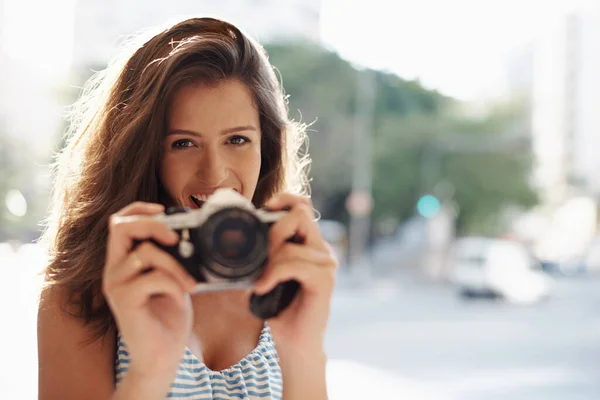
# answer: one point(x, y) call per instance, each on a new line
point(71, 367)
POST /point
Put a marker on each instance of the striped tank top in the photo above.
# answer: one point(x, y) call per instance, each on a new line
point(256, 376)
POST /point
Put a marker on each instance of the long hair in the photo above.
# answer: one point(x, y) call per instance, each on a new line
point(114, 144)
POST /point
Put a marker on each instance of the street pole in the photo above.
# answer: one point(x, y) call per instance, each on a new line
point(360, 220)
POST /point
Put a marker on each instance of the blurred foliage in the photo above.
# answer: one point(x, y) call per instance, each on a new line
point(418, 141)
point(322, 90)
point(487, 169)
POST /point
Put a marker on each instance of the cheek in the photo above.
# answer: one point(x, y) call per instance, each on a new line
point(248, 170)
point(252, 166)
point(171, 176)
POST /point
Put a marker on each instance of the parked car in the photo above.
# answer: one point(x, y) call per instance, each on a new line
point(573, 267)
point(484, 266)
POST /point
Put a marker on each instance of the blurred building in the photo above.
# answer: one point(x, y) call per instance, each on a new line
point(564, 85)
point(584, 117)
point(100, 24)
point(565, 98)
point(549, 114)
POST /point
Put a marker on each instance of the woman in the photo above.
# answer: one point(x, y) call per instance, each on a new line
point(195, 108)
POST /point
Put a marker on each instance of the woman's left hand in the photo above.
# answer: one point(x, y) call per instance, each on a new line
point(301, 326)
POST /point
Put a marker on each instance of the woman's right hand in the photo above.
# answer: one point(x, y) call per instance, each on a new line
point(147, 292)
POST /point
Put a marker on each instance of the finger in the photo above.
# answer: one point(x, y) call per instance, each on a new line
point(292, 251)
point(141, 208)
point(304, 256)
point(145, 256)
point(124, 230)
point(287, 200)
point(136, 293)
point(312, 278)
point(296, 222)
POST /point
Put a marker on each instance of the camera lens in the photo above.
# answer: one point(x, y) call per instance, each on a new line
point(233, 239)
point(234, 243)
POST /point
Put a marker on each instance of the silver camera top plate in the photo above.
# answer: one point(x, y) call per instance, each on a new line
point(220, 199)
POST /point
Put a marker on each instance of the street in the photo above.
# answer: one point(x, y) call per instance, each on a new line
point(423, 336)
point(399, 338)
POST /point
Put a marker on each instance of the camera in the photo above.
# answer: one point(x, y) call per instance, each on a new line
point(224, 245)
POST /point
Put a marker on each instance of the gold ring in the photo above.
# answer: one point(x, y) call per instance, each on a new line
point(137, 261)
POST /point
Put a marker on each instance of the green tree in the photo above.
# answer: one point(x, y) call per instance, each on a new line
point(322, 92)
point(486, 161)
point(418, 141)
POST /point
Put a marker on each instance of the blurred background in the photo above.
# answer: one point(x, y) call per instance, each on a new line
point(455, 167)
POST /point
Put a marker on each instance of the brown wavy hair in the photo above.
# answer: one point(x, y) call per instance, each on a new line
point(114, 146)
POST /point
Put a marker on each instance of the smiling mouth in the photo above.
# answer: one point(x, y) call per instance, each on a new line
point(197, 202)
point(201, 198)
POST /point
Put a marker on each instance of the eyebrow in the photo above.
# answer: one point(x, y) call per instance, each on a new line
point(223, 132)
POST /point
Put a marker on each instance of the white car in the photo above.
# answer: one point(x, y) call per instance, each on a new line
point(486, 266)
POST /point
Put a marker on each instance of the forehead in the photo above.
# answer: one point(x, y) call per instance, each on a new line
point(207, 107)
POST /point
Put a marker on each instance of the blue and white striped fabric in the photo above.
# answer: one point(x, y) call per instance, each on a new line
point(256, 376)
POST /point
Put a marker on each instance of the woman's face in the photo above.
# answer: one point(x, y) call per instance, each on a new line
point(212, 141)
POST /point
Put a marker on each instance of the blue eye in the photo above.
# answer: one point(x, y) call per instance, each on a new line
point(182, 144)
point(238, 140)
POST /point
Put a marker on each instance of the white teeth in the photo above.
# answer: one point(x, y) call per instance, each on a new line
point(204, 197)
point(200, 197)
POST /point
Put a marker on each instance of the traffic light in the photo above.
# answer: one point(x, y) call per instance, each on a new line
point(428, 206)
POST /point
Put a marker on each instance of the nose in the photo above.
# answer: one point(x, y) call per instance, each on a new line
point(212, 167)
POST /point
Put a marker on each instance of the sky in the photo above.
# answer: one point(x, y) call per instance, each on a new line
point(458, 47)
point(52, 39)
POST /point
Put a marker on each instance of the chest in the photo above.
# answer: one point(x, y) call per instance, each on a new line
point(256, 376)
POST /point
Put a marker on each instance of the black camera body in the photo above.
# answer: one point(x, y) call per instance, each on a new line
point(224, 245)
